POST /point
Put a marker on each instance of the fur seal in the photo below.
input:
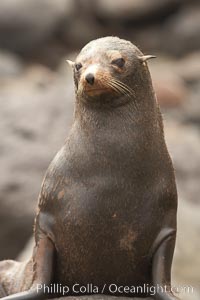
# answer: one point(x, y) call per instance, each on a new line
point(107, 207)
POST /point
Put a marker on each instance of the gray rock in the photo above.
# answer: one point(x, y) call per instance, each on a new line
point(189, 67)
point(186, 259)
point(27, 251)
point(10, 65)
point(170, 88)
point(135, 10)
point(181, 31)
point(192, 109)
point(35, 112)
point(177, 84)
point(184, 145)
point(26, 24)
point(82, 30)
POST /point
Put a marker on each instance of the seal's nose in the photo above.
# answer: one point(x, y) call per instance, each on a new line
point(90, 78)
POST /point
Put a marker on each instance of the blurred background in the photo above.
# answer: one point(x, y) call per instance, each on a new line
point(37, 98)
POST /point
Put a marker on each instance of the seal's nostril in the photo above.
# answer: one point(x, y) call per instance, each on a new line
point(90, 78)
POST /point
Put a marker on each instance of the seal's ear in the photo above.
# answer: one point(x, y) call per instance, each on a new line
point(71, 63)
point(144, 58)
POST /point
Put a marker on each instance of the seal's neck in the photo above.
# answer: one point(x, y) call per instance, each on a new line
point(125, 109)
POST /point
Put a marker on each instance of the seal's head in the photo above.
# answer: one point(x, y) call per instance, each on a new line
point(108, 68)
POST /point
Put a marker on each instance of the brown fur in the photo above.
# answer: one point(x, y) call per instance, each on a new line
point(108, 201)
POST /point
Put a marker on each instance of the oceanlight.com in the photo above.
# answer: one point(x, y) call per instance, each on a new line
point(113, 289)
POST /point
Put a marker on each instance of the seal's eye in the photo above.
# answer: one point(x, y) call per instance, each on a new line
point(78, 66)
point(119, 62)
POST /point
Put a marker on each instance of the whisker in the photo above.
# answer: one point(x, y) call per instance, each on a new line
point(126, 89)
point(123, 90)
point(119, 87)
point(115, 88)
point(124, 86)
point(111, 85)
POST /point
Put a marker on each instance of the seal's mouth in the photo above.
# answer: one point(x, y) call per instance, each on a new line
point(96, 91)
point(98, 88)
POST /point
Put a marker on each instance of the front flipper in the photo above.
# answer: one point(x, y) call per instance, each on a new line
point(162, 261)
point(43, 258)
